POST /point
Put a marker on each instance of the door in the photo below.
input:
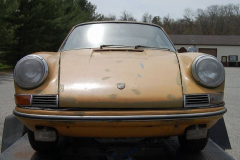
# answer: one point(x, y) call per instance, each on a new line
point(224, 60)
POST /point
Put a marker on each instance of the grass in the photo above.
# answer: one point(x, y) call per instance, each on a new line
point(4, 66)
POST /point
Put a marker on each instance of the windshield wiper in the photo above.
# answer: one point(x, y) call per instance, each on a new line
point(135, 47)
point(114, 45)
point(142, 46)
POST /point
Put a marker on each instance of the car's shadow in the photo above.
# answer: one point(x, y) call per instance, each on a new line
point(167, 149)
point(104, 149)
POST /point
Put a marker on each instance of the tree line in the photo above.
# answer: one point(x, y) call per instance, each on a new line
point(28, 26)
point(214, 20)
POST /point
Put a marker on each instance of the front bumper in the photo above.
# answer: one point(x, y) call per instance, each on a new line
point(122, 118)
point(120, 124)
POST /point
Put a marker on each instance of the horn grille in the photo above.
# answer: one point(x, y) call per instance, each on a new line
point(196, 100)
point(45, 100)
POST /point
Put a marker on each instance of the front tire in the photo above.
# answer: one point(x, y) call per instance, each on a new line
point(194, 145)
point(40, 146)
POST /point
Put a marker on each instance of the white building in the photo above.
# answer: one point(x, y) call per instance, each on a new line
point(225, 48)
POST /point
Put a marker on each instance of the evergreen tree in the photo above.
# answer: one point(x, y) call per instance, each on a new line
point(6, 27)
point(39, 25)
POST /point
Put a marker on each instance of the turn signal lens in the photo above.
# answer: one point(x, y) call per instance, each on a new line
point(23, 100)
point(216, 98)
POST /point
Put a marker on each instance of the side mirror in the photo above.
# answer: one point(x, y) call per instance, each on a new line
point(192, 49)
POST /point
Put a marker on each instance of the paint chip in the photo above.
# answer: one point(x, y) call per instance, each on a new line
point(61, 88)
point(171, 97)
point(112, 96)
point(105, 78)
point(136, 91)
point(142, 65)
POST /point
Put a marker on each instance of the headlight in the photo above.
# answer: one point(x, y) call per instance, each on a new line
point(30, 71)
point(208, 71)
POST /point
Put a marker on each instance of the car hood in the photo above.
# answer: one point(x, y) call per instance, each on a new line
point(90, 78)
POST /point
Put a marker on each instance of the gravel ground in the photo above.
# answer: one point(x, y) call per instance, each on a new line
point(232, 99)
point(6, 98)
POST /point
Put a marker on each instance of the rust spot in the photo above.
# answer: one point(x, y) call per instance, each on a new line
point(105, 78)
point(176, 127)
point(107, 70)
point(171, 97)
point(61, 88)
point(136, 91)
point(112, 96)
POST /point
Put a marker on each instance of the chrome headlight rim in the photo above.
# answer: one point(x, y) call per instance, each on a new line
point(45, 72)
point(198, 79)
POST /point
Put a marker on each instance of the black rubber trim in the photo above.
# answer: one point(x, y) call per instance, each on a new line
point(107, 118)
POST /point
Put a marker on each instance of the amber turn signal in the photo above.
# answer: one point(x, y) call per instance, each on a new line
point(23, 100)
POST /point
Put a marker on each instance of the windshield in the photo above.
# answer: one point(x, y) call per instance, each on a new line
point(117, 34)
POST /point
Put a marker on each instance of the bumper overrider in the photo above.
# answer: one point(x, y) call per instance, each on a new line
point(119, 124)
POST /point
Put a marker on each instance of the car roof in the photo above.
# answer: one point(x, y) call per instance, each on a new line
point(130, 22)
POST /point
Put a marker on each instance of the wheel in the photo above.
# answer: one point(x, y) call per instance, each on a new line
point(41, 146)
point(195, 145)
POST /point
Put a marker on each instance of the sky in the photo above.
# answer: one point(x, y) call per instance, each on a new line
point(173, 8)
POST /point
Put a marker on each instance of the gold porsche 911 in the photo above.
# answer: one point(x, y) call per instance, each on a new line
point(118, 80)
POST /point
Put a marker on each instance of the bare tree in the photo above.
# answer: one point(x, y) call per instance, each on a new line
point(215, 19)
point(147, 18)
point(110, 17)
point(127, 17)
point(157, 20)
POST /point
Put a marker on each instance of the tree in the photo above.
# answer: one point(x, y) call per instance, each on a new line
point(127, 17)
point(147, 18)
point(6, 27)
point(41, 25)
point(215, 19)
point(110, 17)
point(157, 20)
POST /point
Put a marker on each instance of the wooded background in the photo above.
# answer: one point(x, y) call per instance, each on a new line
point(28, 26)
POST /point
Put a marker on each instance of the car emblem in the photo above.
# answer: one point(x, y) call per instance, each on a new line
point(121, 85)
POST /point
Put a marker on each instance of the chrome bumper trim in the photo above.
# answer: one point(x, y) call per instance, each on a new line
point(107, 118)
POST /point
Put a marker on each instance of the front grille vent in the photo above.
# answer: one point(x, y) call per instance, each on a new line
point(196, 100)
point(45, 100)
